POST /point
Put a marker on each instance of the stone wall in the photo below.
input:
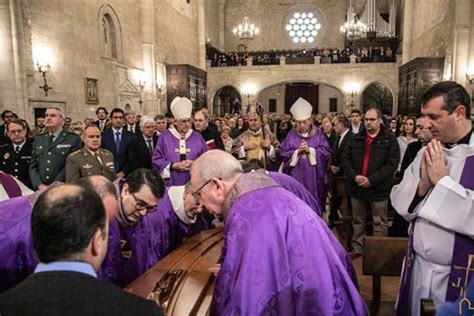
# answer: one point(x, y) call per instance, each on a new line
point(211, 8)
point(70, 35)
point(278, 92)
point(338, 76)
point(271, 16)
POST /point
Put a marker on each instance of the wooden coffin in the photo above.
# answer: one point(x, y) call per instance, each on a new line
point(181, 282)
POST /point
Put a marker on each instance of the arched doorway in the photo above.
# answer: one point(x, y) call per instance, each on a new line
point(278, 98)
point(377, 95)
point(227, 100)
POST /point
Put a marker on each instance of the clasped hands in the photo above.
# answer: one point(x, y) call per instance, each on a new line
point(304, 148)
point(433, 167)
point(184, 165)
point(362, 181)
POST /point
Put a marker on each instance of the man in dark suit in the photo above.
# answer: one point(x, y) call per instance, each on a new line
point(69, 231)
point(7, 116)
point(102, 121)
point(201, 125)
point(15, 157)
point(341, 127)
point(141, 150)
point(132, 123)
point(117, 140)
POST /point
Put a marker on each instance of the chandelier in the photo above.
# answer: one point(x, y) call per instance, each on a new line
point(353, 28)
point(246, 30)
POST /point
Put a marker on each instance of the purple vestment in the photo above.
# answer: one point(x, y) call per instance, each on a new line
point(313, 177)
point(277, 258)
point(167, 151)
point(292, 185)
point(17, 257)
point(132, 250)
point(168, 230)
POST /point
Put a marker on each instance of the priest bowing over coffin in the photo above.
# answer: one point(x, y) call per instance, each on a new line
point(179, 146)
point(277, 258)
point(436, 195)
point(305, 152)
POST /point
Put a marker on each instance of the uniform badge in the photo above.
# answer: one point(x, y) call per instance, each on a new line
point(6, 156)
point(87, 166)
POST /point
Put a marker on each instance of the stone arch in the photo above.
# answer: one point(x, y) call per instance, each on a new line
point(227, 99)
point(377, 94)
point(324, 93)
point(110, 33)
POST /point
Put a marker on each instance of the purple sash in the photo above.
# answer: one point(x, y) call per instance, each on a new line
point(463, 252)
point(9, 185)
point(403, 304)
point(462, 262)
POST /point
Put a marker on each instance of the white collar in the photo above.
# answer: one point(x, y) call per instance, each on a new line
point(176, 195)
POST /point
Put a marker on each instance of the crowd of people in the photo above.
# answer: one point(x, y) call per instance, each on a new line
point(108, 198)
point(368, 54)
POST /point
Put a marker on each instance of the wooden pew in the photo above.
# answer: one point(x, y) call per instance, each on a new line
point(383, 256)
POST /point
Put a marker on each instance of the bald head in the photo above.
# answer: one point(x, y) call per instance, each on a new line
point(63, 221)
point(216, 164)
point(106, 190)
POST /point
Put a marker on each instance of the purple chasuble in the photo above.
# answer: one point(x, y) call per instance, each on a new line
point(277, 258)
point(292, 185)
point(461, 264)
point(9, 185)
point(313, 178)
point(167, 152)
point(16, 245)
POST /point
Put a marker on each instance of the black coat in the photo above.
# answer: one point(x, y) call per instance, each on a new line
point(212, 136)
point(383, 162)
point(71, 293)
point(337, 151)
point(138, 154)
point(17, 165)
point(108, 142)
point(410, 154)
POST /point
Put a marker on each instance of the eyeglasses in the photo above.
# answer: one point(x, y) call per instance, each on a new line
point(141, 205)
point(197, 193)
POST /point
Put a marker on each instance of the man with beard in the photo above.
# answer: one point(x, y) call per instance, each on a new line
point(179, 146)
point(305, 152)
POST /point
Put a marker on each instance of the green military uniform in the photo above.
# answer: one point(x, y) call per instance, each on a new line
point(82, 163)
point(48, 157)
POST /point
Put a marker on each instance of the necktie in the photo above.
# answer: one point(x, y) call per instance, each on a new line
point(101, 125)
point(117, 142)
point(97, 156)
point(150, 148)
point(17, 150)
point(117, 149)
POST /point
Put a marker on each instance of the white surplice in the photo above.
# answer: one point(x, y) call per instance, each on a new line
point(446, 209)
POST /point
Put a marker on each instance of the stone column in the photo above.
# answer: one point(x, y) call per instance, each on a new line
point(353, 59)
point(13, 89)
point(408, 30)
point(462, 26)
point(222, 25)
point(201, 27)
point(282, 60)
point(149, 95)
point(317, 60)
